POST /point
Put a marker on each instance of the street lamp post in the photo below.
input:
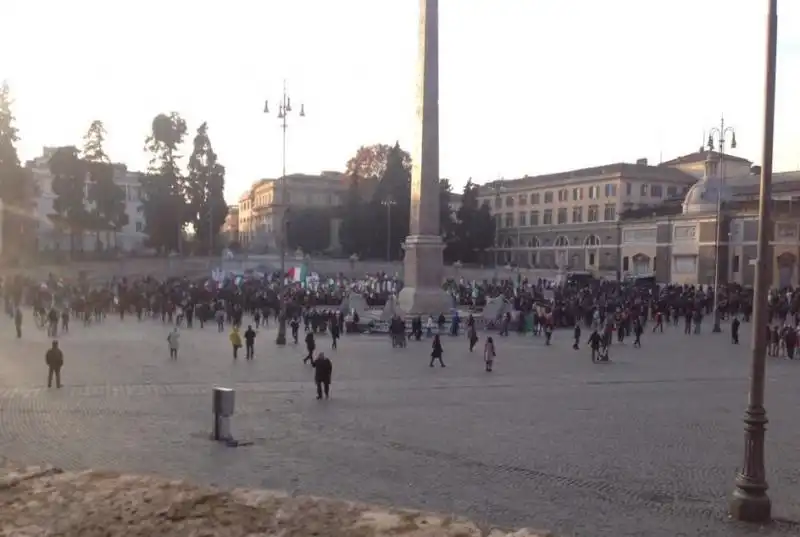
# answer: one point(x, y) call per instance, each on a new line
point(749, 501)
point(498, 205)
point(720, 133)
point(284, 108)
point(388, 202)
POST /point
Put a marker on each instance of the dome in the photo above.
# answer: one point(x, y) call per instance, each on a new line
point(702, 197)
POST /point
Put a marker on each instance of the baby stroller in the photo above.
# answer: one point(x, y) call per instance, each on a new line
point(399, 340)
point(602, 354)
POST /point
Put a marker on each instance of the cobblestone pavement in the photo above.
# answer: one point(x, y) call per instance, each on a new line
point(646, 445)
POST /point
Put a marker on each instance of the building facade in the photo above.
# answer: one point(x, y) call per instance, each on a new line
point(684, 243)
point(573, 218)
point(230, 228)
point(49, 237)
point(261, 209)
point(636, 219)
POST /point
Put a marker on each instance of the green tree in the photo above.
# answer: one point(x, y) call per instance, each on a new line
point(309, 229)
point(370, 161)
point(473, 228)
point(17, 189)
point(106, 196)
point(205, 185)
point(69, 186)
point(163, 187)
point(395, 187)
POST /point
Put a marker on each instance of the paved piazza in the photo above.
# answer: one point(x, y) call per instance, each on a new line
point(646, 445)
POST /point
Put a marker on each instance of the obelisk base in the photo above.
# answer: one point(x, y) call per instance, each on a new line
point(422, 292)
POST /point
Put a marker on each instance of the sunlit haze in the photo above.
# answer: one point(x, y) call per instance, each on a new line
point(527, 86)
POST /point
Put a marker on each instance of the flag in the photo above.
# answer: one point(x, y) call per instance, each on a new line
point(297, 274)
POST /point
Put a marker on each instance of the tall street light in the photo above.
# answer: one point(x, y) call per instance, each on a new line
point(388, 202)
point(749, 501)
point(284, 109)
point(720, 134)
point(498, 188)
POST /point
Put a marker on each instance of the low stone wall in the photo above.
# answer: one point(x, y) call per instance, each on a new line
point(39, 501)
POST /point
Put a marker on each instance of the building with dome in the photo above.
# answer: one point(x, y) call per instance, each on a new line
point(638, 219)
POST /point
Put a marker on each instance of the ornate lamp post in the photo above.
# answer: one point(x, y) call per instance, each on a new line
point(720, 134)
point(749, 501)
point(497, 186)
point(284, 109)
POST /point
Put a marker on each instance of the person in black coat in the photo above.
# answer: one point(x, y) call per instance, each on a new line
point(310, 346)
point(437, 351)
point(249, 342)
point(323, 370)
point(334, 332)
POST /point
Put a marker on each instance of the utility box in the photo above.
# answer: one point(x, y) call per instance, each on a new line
point(224, 402)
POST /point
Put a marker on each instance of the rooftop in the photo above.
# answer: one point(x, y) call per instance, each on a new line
point(701, 156)
point(617, 168)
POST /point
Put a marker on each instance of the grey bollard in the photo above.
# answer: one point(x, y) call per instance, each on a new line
point(223, 404)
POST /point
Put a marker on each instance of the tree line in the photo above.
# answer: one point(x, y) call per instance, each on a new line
point(87, 199)
point(376, 207)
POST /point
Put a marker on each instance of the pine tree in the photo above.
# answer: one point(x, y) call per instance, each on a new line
point(163, 188)
point(205, 185)
point(69, 186)
point(473, 229)
point(107, 197)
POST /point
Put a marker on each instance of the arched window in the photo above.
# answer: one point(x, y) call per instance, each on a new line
point(591, 244)
point(561, 244)
point(592, 241)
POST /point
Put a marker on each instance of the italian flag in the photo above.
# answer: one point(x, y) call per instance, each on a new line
point(297, 274)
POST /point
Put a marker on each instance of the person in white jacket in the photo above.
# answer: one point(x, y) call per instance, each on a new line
point(489, 354)
point(429, 326)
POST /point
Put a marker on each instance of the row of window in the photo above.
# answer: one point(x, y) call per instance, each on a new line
point(593, 193)
point(307, 199)
point(561, 215)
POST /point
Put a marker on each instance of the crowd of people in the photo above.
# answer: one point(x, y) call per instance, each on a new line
point(607, 310)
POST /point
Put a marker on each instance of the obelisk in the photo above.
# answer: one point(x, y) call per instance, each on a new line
point(422, 292)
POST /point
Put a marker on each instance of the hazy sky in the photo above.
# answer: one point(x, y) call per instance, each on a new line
point(527, 86)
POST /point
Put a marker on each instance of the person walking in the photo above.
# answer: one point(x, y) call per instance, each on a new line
point(236, 341)
point(18, 321)
point(54, 359)
point(638, 330)
point(334, 333)
point(249, 343)
point(472, 336)
point(735, 330)
point(577, 335)
point(437, 350)
point(489, 354)
point(311, 345)
point(594, 344)
point(323, 370)
point(173, 342)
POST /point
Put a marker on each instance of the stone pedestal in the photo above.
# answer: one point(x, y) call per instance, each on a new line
point(422, 292)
